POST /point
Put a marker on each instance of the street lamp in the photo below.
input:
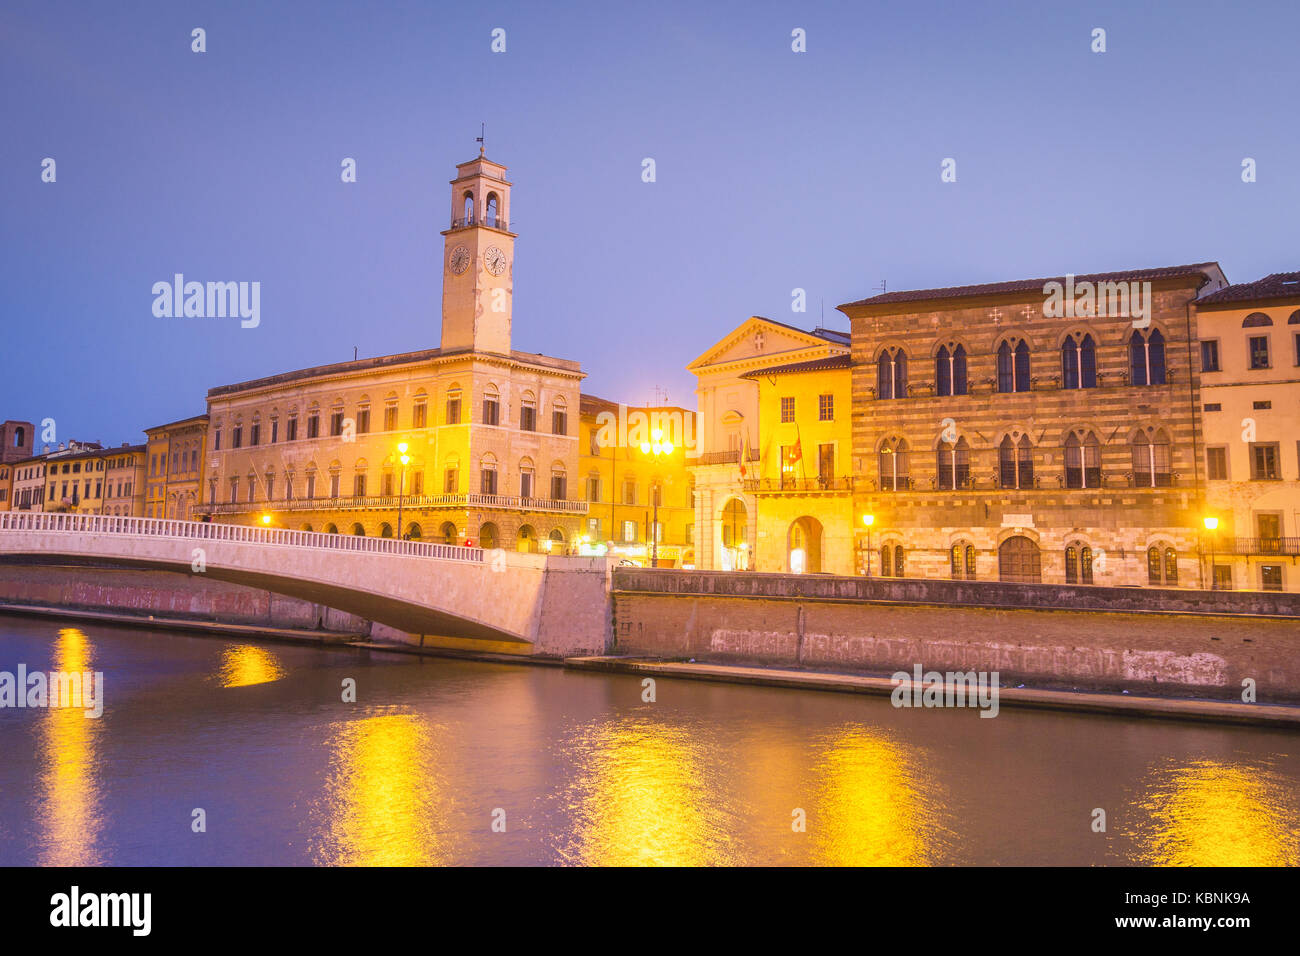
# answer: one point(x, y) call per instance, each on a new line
point(657, 447)
point(868, 520)
point(1211, 524)
point(266, 518)
point(405, 459)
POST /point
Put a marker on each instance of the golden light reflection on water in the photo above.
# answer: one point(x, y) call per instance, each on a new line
point(244, 664)
point(69, 794)
point(874, 806)
point(380, 799)
point(1211, 813)
point(641, 799)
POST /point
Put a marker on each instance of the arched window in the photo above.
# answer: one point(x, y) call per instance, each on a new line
point(358, 530)
point(1013, 366)
point(490, 217)
point(891, 560)
point(962, 561)
point(950, 370)
point(1079, 362)
point(385, 530)
point(1082, 461)
point(413, 532)
point(954, 464)
point(894, 465)
point(891, 374)
point(448, 533)
point(488, 536)
point(1162, 565)
point(1016, 462)
point(467, 207)
point(1146, 354)
point(1256, 320)
point(1078, 564)
point(1151, 458)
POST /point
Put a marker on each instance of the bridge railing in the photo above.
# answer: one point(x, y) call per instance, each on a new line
point(211, 531)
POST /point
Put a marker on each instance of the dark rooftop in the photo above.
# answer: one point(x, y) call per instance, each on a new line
point(1279, 285)
point(1032, 285)
point(813, 365)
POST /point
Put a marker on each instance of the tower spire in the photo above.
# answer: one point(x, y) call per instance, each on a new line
point(481, 139)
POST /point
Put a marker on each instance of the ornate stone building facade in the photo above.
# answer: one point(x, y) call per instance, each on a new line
point(994, 440)
point(489, 434)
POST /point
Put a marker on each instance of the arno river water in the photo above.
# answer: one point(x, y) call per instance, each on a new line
point(583, 771)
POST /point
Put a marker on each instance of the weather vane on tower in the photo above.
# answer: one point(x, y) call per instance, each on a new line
point(481, 138)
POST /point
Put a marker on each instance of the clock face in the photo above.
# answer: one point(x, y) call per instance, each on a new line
point(495, 260)
point(459, 260)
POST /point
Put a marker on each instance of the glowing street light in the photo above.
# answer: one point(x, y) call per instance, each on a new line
point(266, 518)
point(657, 447)
point(405, 459)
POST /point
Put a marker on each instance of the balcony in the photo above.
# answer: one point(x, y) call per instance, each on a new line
point(726, 457)
point(1282, 547)
point(390, 503)
point(799, 486)
point(492, 223)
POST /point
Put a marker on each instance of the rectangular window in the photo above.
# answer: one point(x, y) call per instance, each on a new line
point(275, 430)
point(390, 418)
point(237, 437)
point(252, 488)
point(488, 481)
point(359, 486)
point(593, 488)
point(559, 488)
point(453, 409)
point(449, 481)
point(270, 488)
point(234, 490)
point(313, 425)
point(334, 485)
point(1210, 356)
point(559, 423)
point(826, 462)
point(826, 408)
point(420, 415)
point(387, 484)
point(1216, 464)
point(1213, 407)
point(1263, 461)
point(1270, 577)
point(291, 429)
point(417, 483)
point(336, 423)
point(363, 421)
point(288, 487)
point(787, 408)
point(525, 484)
point(216, 445)
point(629, 491)
point(491, 411)
point(254, 435)
point(1262, 406)
point(1297, 348)
point(593, 529)
point(629, 531)
point(528, 418)
point(311, 484)
point(1258, 348)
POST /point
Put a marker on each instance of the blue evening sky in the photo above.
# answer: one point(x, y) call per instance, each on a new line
point(775, 170)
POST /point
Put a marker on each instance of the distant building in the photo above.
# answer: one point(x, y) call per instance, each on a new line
point(174, 462)
point(1249, 363)
point(124, 481)
point(622, 482)
point(490, 433)
point(16, 441)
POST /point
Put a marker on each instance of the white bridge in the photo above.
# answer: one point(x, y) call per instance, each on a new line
point(415, 586)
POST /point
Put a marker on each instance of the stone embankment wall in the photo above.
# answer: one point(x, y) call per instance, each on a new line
point(166, 594)
point(1172, 641)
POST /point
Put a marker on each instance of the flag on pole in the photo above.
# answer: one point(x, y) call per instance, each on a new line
point(744, 471)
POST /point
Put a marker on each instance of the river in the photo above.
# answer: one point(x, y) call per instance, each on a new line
point(222, 751)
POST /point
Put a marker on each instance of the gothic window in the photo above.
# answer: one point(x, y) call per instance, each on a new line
point(1146, 355)
point(1013, 366)
point(1079, 362)
point(894, 464)
point(954, 464)
point(891, 374)
point(1151, 458)
point(1082, 461)
point(1016, 463)
point(950, 370)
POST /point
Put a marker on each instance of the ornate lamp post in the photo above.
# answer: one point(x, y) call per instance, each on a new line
point(1211, 524)
point(868, 520)
point(405, 459)
point(655, 449)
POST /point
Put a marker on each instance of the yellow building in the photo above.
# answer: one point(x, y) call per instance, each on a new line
point(727, 399)
point(124, 481)
point(74, 479)
point(802, 484)
point(632, 460)
point(174, 457)
point(1249, 357)
point(471, 443)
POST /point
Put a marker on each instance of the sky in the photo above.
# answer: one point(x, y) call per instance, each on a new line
point(775, 170)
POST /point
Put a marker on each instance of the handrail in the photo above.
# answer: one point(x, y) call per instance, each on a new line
point(391, 503)
point(44, 521)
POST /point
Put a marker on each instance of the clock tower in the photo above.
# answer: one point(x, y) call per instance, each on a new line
point(478, 260)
